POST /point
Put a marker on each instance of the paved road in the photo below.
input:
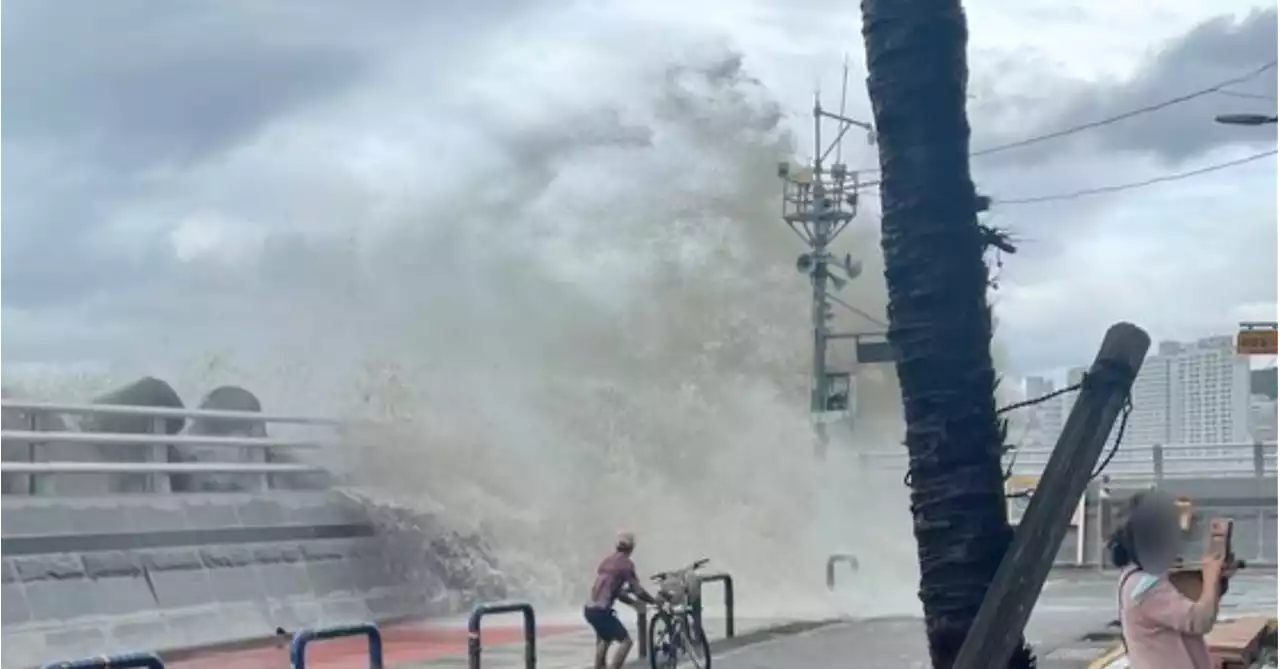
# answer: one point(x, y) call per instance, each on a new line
point(1069, 609)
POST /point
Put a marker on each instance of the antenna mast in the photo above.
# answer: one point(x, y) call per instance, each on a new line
point(818, 204)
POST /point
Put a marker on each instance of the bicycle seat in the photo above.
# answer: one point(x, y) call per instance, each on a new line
point(660, 576)
point(700, 563)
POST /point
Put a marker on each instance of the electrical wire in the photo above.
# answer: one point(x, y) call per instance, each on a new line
point(1247, 96)
point(1208, 90)
point(1115, 188)
point(1127, 115)
point(872, 319)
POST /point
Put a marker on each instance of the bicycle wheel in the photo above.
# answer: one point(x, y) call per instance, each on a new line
point(694, 643)
point(663, 649)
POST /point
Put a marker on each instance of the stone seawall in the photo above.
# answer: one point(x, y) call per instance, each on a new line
point(88, 576)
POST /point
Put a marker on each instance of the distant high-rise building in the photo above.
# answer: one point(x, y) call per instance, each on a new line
point(1045, 419)
point(1195, 393)
point(1209, 398)
point(1262, 418)
point(1038, 386)
point(1151, 396)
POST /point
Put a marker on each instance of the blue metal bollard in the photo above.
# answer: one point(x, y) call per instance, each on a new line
point(122, 661)
point(298, 649)
point(530, 631)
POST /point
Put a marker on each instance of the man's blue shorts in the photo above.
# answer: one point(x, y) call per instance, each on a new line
point(606, 624)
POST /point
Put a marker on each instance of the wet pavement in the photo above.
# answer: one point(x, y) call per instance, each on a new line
point(1069, 629)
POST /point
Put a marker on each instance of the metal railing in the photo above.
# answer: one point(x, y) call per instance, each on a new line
point(475, 644)
point(301, 638)
point(125, 661)
point(1146, 462)
point(148, 455)
point(839, 558)
point(726, 581)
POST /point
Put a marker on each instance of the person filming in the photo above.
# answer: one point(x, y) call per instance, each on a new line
point(1162, 628)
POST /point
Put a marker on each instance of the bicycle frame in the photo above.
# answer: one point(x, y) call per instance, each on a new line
point(682, 620)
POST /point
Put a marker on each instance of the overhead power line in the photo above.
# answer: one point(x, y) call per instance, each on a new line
point(1115, 188)
point(1247, 96)
point(1208, 90)
point(1127, 115)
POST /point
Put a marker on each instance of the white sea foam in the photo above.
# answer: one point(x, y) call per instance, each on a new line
point(599, 327)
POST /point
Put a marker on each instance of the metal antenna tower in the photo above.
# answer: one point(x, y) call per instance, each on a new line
point(818, 203)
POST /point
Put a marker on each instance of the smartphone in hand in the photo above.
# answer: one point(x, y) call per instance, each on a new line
point(1220, 530)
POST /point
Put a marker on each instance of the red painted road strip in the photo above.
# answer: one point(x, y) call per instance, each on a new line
point(407, 642)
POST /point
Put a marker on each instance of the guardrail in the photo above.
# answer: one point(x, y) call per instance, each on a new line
point(160, 412)
point(727, 581)
point(154, 457)
point(1146, 462)
point(839, 558)
point(298, 648)
point(474, 644)
point(124, 661)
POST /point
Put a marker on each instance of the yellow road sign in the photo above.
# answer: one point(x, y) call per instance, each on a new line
point(1256, 339)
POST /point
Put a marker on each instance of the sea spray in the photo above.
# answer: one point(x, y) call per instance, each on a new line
point(598, 326)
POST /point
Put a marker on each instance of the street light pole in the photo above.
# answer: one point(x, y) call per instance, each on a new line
point(818, 204)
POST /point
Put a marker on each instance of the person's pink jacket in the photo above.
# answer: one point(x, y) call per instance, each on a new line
point(1162, 628)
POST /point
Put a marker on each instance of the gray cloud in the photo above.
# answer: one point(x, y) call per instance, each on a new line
point(1216, 50)
point(132, 83)
point(105, 97)
point(534, 163)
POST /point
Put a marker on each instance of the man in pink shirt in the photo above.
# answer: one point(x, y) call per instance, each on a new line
point(1162, 628)
point(615, 576)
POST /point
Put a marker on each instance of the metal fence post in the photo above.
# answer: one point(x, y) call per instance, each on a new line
point(159, 482)
point(124, 661)
point(474, 644)
point(727, 580)
point(29, 481)
point(298, 649)
point(1157, 462)
point(642, 630)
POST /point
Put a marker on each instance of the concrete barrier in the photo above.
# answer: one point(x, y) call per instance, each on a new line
point(1249, 501)
point(93, 576)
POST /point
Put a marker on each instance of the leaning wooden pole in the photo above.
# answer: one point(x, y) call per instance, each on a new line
point(1005, 609)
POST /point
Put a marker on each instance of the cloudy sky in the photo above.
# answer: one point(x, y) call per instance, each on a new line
point(192, 178)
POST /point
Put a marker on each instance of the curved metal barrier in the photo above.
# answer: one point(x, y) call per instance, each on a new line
point(838, 558)
point(530, 631)
point(727, 580)
point(124, 661)
point(298, 649)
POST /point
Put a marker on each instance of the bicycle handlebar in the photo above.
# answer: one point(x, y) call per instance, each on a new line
point(696, 565)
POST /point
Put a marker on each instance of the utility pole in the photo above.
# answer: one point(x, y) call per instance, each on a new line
point(818, 204)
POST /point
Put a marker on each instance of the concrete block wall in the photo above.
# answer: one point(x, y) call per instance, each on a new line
point(88, 576)
point(1249, 501)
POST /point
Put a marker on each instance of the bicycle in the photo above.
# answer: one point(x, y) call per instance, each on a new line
point(676, 626)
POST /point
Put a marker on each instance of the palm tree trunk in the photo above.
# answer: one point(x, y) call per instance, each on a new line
point(939, 320)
